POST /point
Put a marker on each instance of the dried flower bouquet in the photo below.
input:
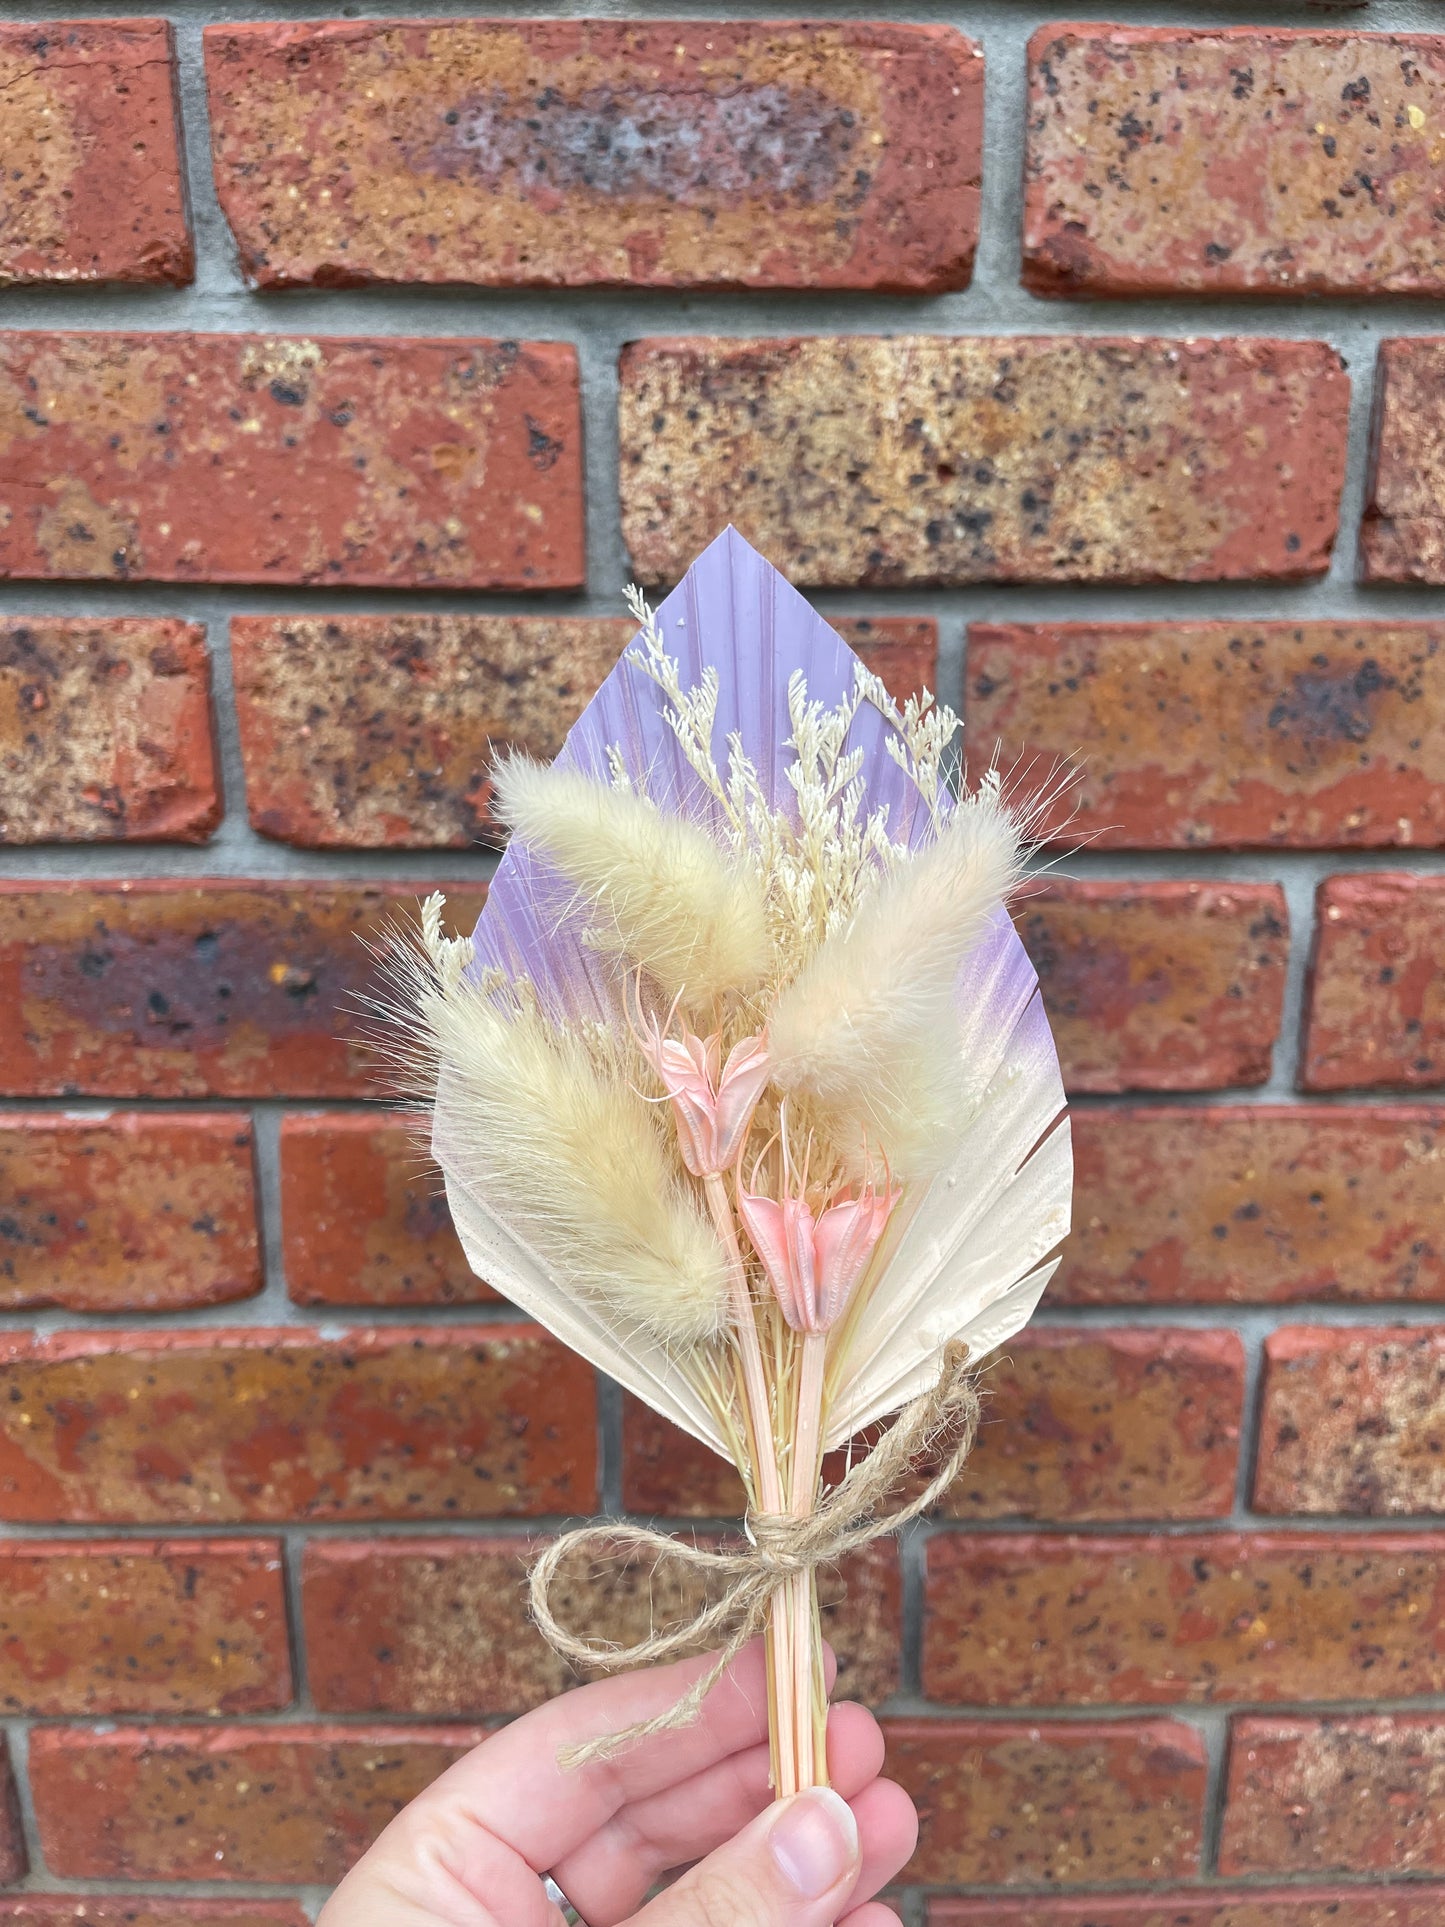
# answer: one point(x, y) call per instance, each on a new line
point(743, 1086)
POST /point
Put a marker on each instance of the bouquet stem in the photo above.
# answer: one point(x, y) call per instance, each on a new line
point(804, 1684)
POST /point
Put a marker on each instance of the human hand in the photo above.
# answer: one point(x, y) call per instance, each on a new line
point(470, 1852)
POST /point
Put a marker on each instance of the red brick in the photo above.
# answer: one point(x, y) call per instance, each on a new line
point(418, 1627)
point(364, 1218)
point(145, 1910)
point(1013, 1805)
point(506, 153)
point(1363, 1796)
point(1024, 1620)
point(374, 732)
point(1160, 986)
point(1291, 1907)
point(1328, 728)
point(180, 989)
point(134, 1626)
point(383, 462)
point(135, 1211)
point(217, 1426)
point(1375, 1004)
point(923, 460)
point(14, 1861)
point(105, 731)
point(1256, 1204)
point(1353, 1421)
point(1077, 1425)
point(90, 153)
point(1402, 529)
point(1166, 160)
point(294, 1803)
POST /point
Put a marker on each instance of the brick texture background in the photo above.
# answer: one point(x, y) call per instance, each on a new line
point(1092, 371)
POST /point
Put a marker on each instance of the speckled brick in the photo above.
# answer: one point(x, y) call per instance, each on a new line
point(1169, 986)
point(145, 1910)
point(1255, 1204)
point(1353, 1421)
point(14, 1861)
point(1402, 529)
point(170, 988)
point(568, 153)
point(134, 1626)
point(382, 462)
point(417, 1627)
point(380, 731)
point(1360, 1796)
point(1221, 735)
point(1025, 1620)
point(273, 1803)
point(90, 154)
point(1043, 1805)
point(1375, 1001)
point(1183, 1907)
point(1078, 1425)
point(364, 1218)
point(929, 460)
point(137, 1211)
point(1169, 160)
point(207, 1426)
point(105, 731)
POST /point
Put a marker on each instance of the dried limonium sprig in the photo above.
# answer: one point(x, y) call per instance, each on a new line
point(744, 1089)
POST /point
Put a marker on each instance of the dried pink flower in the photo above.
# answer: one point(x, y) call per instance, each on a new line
point(713, 1107)
point(813, 1263)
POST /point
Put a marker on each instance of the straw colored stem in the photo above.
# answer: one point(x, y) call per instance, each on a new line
point(801, 1593)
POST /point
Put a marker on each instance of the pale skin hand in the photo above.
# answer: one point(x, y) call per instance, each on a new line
point(470, 1851)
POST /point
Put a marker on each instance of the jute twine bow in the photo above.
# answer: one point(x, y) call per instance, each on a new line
point(855, 1513)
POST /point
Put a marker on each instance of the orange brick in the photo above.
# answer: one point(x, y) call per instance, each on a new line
point(1006, 1805)
point(105, 731)
point(1375, 1006)
point(216, 1426)
point(1403, 1906)
point(135, 1626)
point(1254, 1205)
point(137, 1211)
point(297, 1803)
point(1402, 529)
point(1029, 1620)
point(1160, 986)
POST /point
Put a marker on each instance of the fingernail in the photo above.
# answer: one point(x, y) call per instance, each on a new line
point(814, 1841)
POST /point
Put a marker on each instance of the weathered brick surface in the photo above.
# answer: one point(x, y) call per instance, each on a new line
point(138, 1211)
point(379, 731)
point(90, 154)
point(1361, 1796)
point(145, 1910)
point(1036, 1805)
point(1375, 1006)
point(255, 1424)
point(1097, 1425)
point(560, 153)
point(1404, 1906)
point(1166, 160)
point(14, 1860)
point(1327, 728)
point(1160, 986)
point(296, 1803)
point(1058, 1621)
point(127, 1626)
point(1255, 1205)
point(1353, 1421)
point(386, 462)
point(179, 989)
point(1402, 530)
point(105, 731)
point(417, 1627)
point(931, 460)
point(364, 1218)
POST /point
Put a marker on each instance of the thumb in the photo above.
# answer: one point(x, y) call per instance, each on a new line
point(795, 1866)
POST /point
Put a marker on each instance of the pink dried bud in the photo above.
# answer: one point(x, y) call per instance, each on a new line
point(813, 1264)
point(712, 1110)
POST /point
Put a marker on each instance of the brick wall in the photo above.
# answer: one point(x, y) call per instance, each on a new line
point(320, 337)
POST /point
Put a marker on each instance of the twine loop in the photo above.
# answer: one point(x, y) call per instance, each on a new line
point(779, 1547)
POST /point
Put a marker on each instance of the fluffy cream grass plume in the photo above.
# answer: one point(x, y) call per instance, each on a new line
point(864, 1029)
point(574, 1158)
point(664, 893)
